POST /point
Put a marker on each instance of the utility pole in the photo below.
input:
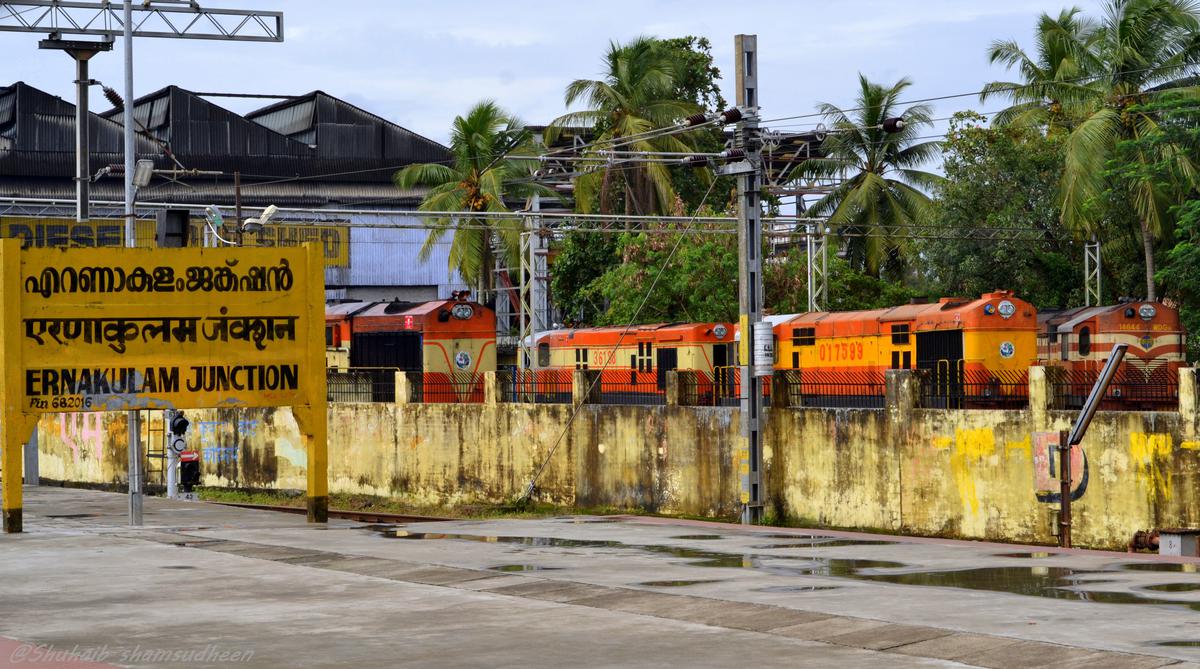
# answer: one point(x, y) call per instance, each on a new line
point(134, 417)
point(750, 453)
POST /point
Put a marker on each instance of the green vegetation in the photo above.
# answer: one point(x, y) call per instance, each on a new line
point(878, 184)
point(480, 179)
point(1100, 140)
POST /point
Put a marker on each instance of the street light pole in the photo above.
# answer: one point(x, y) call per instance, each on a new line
point(134, 422)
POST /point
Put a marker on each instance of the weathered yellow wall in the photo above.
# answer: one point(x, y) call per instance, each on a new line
point(967, 474)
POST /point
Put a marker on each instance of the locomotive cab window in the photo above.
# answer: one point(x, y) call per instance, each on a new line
point(1085, 340)
point(543, 354)
point(329, 335)
point(900, 334)
point(804, 336)
point(581, 358)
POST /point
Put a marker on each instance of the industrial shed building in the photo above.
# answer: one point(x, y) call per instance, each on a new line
point(325, 162)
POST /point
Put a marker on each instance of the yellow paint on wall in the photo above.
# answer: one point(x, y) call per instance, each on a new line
point(943, 443)
point(1190, 445)
point(970, 447)
point(1025, 446)
point(1148, 451)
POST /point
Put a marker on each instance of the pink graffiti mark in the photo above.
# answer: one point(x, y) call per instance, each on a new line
point(80, 430)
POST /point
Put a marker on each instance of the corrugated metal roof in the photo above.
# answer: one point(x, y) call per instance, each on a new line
point(203, 191)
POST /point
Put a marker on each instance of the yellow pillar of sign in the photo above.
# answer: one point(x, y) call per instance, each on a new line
point(313, 419)
point(15, 425)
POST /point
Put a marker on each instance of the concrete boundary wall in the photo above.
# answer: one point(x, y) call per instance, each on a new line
point(977, 474)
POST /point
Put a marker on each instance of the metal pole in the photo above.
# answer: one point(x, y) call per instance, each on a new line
point(750, 457)
point(1064, 477)
point(237, 205)
point(82, 139)
point(812, 284)
point(134, 422)
point(172, 457)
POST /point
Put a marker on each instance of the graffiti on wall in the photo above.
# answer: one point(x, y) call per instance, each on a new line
point(79, 431)
point(1047, 469)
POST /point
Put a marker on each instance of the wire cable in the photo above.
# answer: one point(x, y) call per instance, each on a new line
point(527, 495)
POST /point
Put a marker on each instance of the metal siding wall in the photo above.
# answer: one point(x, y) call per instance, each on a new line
point(389, 257)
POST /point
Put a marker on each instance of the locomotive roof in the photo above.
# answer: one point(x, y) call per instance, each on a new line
point(948, 311)
point(1065, 320)
point(658, 329)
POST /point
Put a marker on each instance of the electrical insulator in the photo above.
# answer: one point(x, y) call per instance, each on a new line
point(733, 154)
point(695, 161)
point(695, 119)
point(114, 98)
point(731, 115)
point(894, 124)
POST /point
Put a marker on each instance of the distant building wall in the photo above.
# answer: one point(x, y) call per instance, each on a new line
point(970, 474)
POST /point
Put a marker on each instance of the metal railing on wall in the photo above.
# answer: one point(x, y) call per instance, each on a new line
point(949, 386)
point(1133, 389)
point(723, 388)
point(442, 388)
point(865, 389)
point(536, 386)
point(631, 387)
point(361, 384)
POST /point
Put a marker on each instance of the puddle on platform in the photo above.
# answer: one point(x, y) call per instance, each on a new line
point(177, 566)
point(522, 567)
point(1052, 582)
point(699, 537)
point(71, 515)
point(1177, 643)
point(821, 543)
point(1161, 566)
point(1174, 587)
point(796, 588)
point(677, 584)
point(1033, 555)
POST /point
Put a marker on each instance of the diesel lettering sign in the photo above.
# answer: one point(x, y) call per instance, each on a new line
point(111, 329)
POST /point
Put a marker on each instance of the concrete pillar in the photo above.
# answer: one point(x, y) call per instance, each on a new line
point(1041, 396)
point(903, 390)
point(406, 387)
point(31, 458)
point(491, 389)
point(677, 388)
point(1188, 400)
point(582, 389)
point(780, 390)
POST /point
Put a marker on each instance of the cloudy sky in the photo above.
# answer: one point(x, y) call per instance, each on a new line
point(421, 63)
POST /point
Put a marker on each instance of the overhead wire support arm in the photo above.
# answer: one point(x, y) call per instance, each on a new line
point(104, 19)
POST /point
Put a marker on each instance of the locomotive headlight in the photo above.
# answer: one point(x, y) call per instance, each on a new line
point(1147, 312)
point(462, 311)
point(720, 331)
point(1007, 309)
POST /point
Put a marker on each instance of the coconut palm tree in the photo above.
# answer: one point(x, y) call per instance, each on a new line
point(636, 94)
point(1138, 53)
point(879, 185)
point(478, 178)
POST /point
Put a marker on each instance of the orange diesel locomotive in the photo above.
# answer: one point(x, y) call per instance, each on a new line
point(977, 351)
point(636, 360)
point(1078, 341)
point(452, 342)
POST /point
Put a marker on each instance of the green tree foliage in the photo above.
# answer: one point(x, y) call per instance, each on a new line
point(1096, 79)
point(880, 184)
point(637, 93)
point(698, 284)
point(479, 178)
point(1180, 273)
point(579, 259)
point(1001, 177)
point(785, 286)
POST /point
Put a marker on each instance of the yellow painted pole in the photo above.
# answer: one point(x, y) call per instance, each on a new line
point(312, 418)
point(12, 435)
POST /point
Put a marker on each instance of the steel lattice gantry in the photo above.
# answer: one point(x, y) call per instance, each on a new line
point(104, 19)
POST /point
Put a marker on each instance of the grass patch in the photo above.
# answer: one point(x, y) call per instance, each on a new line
point(372, 503)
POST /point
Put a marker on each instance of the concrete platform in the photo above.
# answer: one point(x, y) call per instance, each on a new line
point(204, 585)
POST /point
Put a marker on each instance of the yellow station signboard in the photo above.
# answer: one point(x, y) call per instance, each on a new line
point(111, 329)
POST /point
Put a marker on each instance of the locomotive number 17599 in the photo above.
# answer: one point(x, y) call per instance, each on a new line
point(840, 351)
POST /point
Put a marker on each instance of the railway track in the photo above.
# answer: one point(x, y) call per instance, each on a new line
point(360, 516)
